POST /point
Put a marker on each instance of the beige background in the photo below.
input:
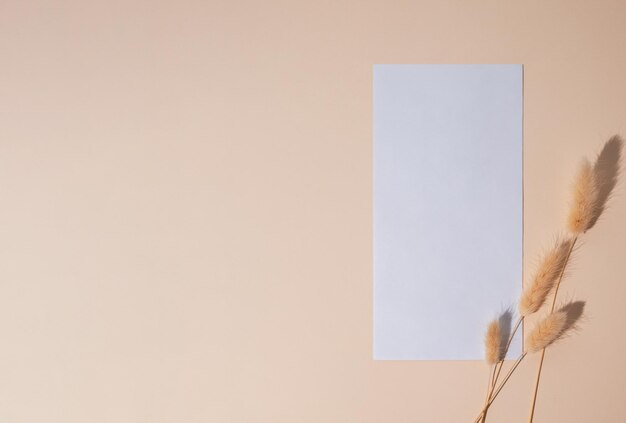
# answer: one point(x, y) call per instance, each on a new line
point(186, 207)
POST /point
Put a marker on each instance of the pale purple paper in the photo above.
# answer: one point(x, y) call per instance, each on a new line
point(447, 207)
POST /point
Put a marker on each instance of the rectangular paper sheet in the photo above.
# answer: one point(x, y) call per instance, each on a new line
point(447, 207)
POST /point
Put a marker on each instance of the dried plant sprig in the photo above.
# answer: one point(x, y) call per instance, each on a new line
point(572, 311)
point(493, 342)
point(607, 169)
point(592, 190)
point(548, 272)
point(497, 340)
point(585, 197)
point(496, 391)
point(546, 332)
point(507, 338)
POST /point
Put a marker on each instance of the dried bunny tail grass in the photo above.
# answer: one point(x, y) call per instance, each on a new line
point(550, 268)
point(546, 331)
point(607, 169)
point(493, 342)
point(555, 326)
point(584, 205)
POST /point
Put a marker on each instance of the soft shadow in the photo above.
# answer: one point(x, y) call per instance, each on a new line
point(506, 321)
point(606, 171)
point(574, 311)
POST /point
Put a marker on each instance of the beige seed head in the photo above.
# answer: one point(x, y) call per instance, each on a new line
point(585, 197)
point(546, 331)
point(493, 350)
point(544, 279)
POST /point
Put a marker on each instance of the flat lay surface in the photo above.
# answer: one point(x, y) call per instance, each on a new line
point(186, 220)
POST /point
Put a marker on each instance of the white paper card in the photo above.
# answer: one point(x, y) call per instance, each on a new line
point(447, 207)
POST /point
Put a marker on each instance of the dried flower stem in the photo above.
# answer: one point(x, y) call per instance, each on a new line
point(495, 373)
point(585, 205)
point(536, 292)
point(538, 378)
point(493, 342)
point(506, 350)
point(489, 389)
point(543, 352)
point(549, 330)
point(556, 288)
point(497, 391)
point(545, 333)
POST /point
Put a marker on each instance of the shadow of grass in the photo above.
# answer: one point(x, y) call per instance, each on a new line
point(606, 170)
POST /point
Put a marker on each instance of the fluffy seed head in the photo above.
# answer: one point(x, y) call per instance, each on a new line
point(584, 202)
point(493, 350)
point(545, 277)
point(546, 331)
point(606, 171)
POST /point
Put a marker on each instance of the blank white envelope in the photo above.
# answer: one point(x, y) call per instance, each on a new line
point(447, 207)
